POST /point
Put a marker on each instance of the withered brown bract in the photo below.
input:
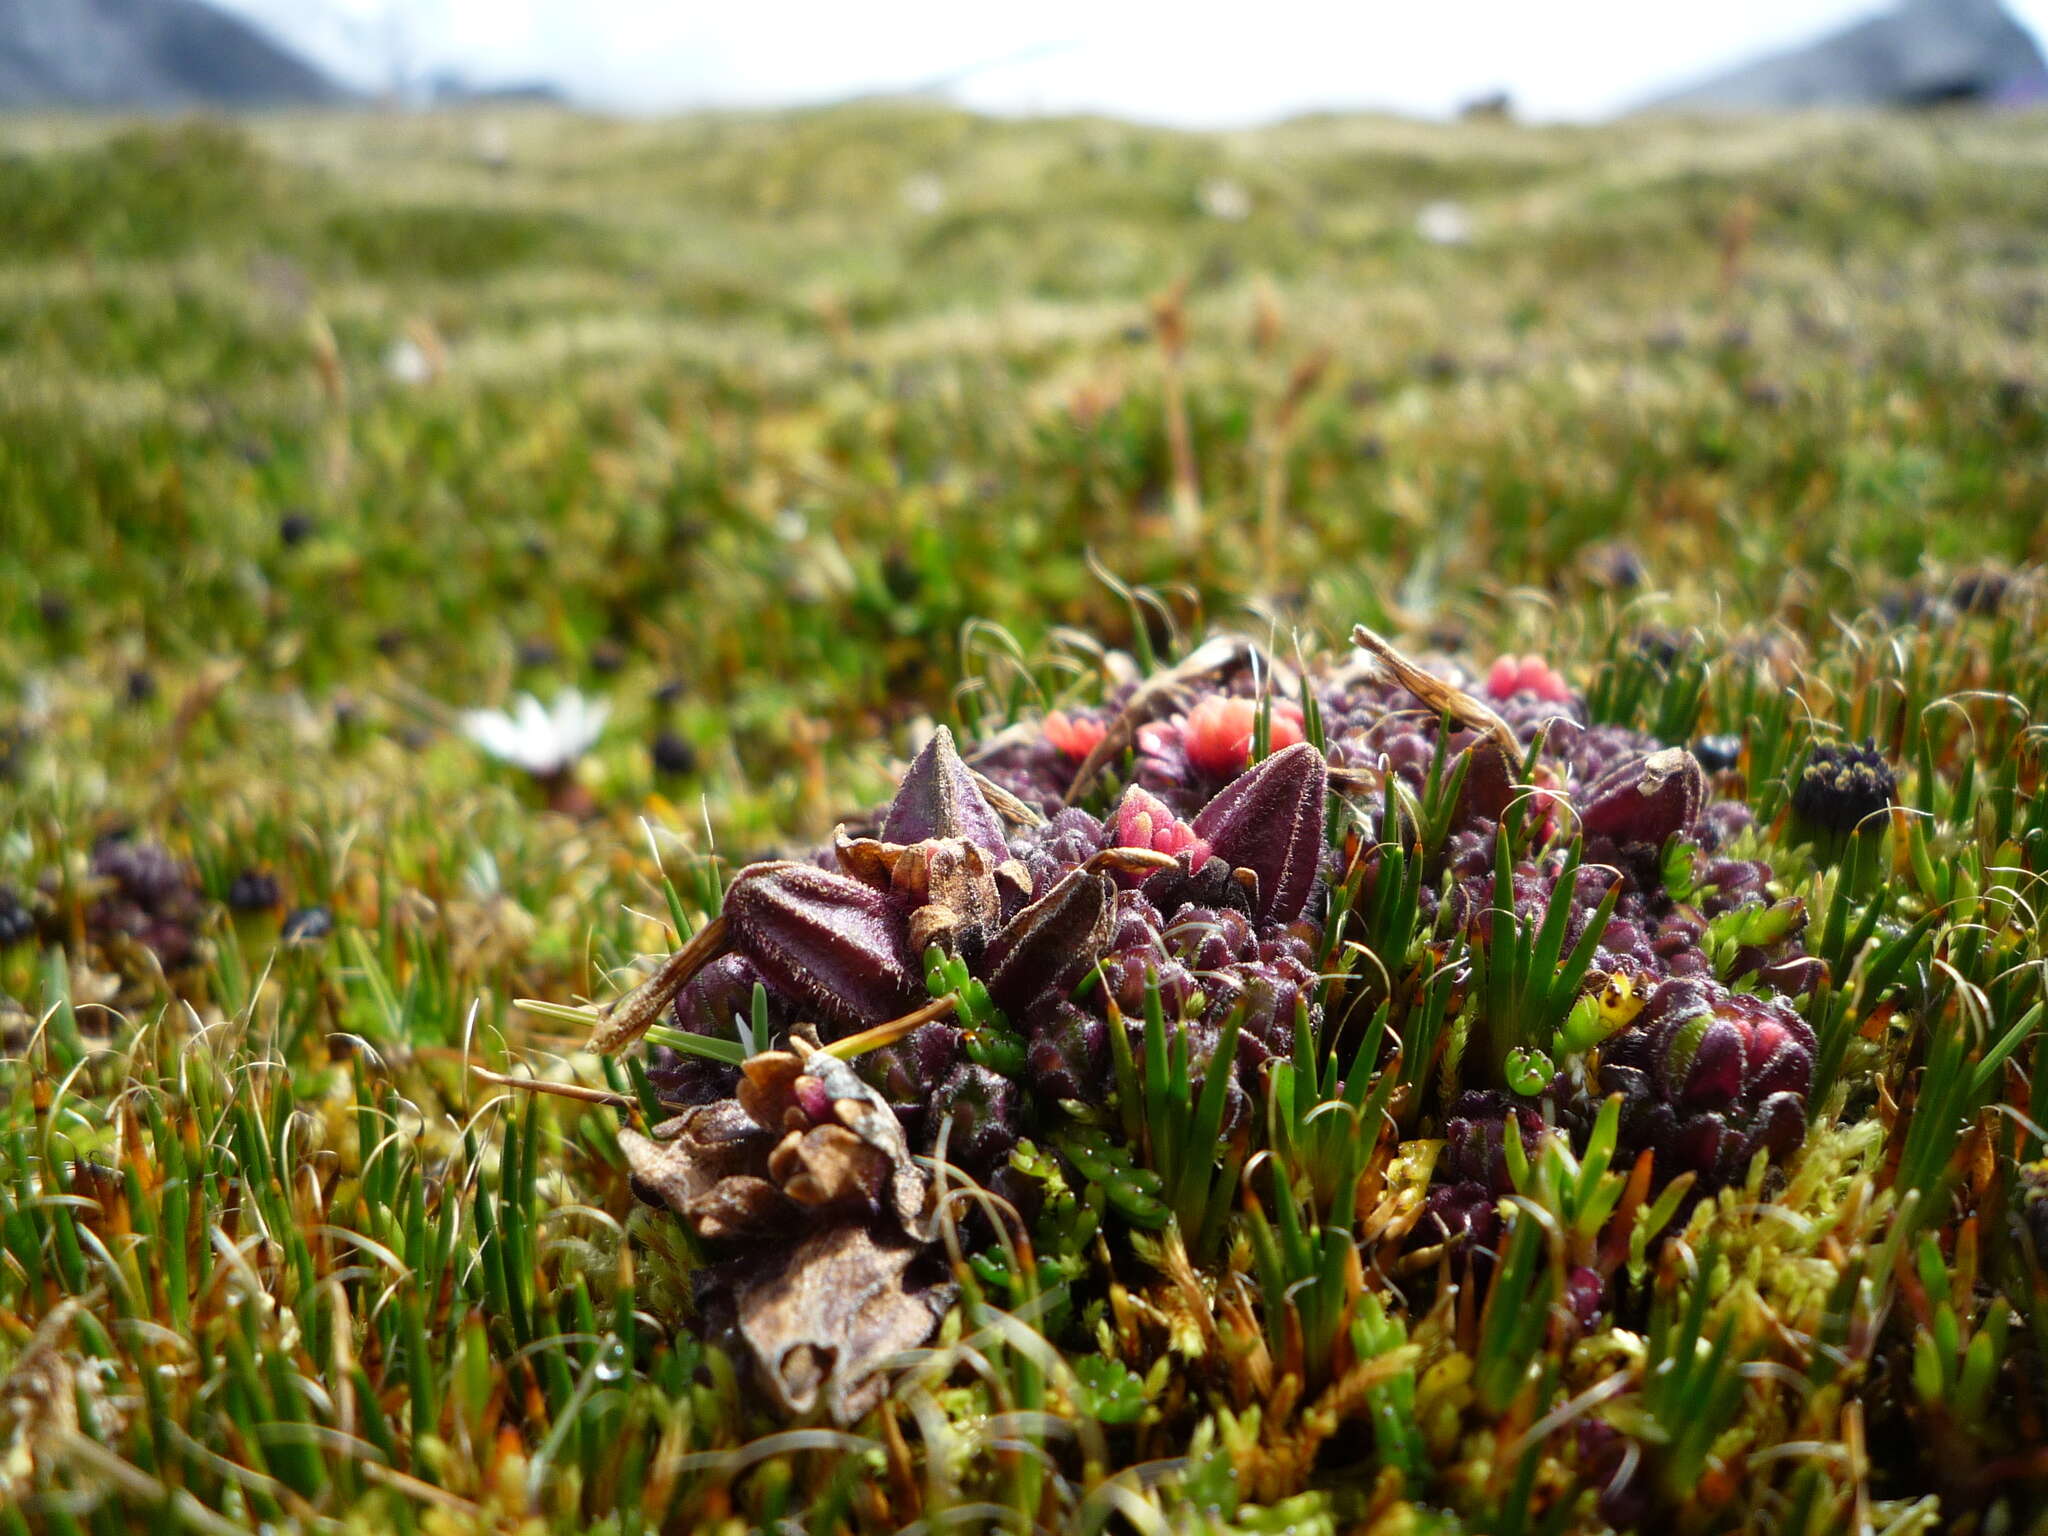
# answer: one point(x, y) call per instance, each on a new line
point(810, 1168)
point(822, 1323)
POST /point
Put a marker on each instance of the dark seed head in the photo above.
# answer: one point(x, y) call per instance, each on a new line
point(17, 922)
point(1614, 565)
point(1842, 786)
point(1981, 591)
point(253, 890)
point(1661, 646)
point(902, 576)
point(672, 754)
point(308, 925)
point(1718, 754)
point(1440, 367)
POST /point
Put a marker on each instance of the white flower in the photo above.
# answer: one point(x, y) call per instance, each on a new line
point(924, 194)
point(1226, 200)
point(407, 362)
point(1444, 223)
point(542, 741)
point(493, 149)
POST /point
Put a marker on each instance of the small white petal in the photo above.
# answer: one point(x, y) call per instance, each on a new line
point(1444, 223)
point(492, 730)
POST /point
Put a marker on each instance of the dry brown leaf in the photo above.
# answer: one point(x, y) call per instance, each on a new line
point(821, 1324)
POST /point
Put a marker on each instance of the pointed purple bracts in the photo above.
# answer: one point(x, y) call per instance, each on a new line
point(1645, 799)
point(826, 939)
point(939, 798)
point(1051, 943)
point(1710, 1076)
point(1269, 820)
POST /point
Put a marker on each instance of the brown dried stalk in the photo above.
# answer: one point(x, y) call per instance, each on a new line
point(1439, 695)
point(1169, 320)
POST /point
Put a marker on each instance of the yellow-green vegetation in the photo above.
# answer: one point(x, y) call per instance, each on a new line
point(787, 436)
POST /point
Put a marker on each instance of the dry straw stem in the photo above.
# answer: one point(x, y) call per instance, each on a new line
point(1278, 439)
point(1170, 321)
point(1439, 695)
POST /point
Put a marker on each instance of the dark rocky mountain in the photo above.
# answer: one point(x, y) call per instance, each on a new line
point(1920, 53)
point(448, 89)
point(147, 55)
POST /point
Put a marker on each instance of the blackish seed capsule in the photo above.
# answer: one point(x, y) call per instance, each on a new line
point(16, 921)
point(253, 890)
point(307, 925)
point(1718, 754)
point(672, 754)
point(1842, 786)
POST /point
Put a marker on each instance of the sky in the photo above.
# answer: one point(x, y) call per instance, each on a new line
point(1203, 64)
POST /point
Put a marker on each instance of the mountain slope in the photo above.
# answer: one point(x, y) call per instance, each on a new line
point(1920, 53)
point(146, 54)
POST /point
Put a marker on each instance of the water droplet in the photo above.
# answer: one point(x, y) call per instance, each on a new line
point(613, 1362)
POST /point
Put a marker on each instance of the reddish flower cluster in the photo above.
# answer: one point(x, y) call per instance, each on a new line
point(1204, 880)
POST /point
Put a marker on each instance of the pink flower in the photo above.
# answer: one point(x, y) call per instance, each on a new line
point(1075, 735)
point(1218, 733)
point(1527, 674)
point(1143, 821)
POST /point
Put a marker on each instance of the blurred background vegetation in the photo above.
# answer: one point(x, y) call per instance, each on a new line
point(393, 410)
point(785, 435)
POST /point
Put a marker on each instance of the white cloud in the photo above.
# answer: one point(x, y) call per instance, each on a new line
point(1198, 65)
